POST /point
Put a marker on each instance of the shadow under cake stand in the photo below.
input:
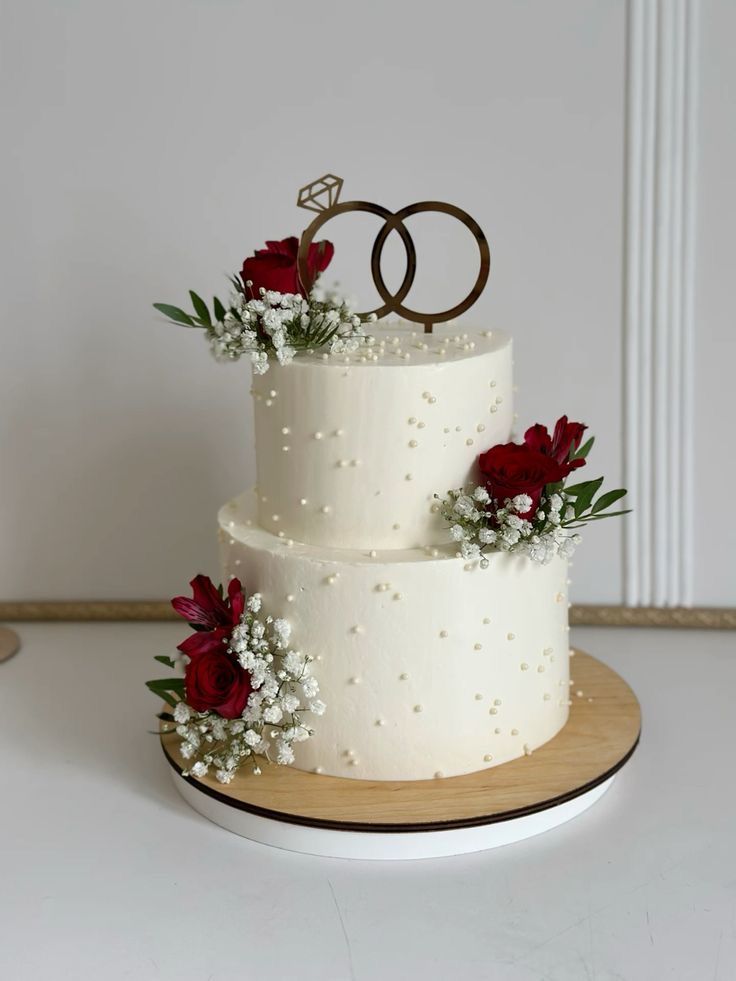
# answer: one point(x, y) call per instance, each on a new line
point(367, 819)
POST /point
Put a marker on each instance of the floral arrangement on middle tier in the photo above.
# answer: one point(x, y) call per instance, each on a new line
point(524, 504)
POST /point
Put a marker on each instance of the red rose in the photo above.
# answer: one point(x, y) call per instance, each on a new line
point(210, 614)
point(511, 469)
point(275, 268)
point(566, 438)
point(215, 682)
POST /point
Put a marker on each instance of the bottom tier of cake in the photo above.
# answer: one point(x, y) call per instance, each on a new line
point(429, 665)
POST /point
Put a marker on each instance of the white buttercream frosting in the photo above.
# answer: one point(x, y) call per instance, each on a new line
point(428, 664)
point(351, 449)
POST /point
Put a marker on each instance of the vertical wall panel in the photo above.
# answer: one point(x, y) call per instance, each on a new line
point(658, 300)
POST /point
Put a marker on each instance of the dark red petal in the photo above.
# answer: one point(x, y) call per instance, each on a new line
point(207, 595)
point(193, 612)
point(203, 643)
point(237, 600)
point(537, 438)
point(286, 247)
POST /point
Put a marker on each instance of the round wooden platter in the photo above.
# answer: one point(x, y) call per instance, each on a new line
point(341, 817)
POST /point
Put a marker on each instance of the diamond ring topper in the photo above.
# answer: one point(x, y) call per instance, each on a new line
point(323, 196)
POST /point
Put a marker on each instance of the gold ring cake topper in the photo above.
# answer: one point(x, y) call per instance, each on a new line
point(323, 196)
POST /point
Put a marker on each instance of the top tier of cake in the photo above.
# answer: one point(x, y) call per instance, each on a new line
point(351, 449)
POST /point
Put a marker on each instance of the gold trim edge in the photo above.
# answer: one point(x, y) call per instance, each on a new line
point(581, 615)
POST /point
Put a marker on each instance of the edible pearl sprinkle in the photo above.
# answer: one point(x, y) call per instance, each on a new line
point(524, 666)
point(373, 553)
point(339, 432)
point(290, 598)
point(285, 431)
point(409, 477)
point(355, 681)
point(318, 435)
point(493, 384)
point(432, 399)
point(418, 708)
point(478, 697)
point(443, 633)
point(396, 526)
point(275, 517)
point(540, 668)
point(413, 443)
point(469, 441)
point(325, 509)
point(488, 757)
point(331, 580)
point(497, 731)
point(285, 449)
point(357, 629)
point(510, 636)
point(514, 732)
point(383, 587)
point(494, 408)
point(421, 425)
point(398, 596)
point(546, 696)
point(480, 428)
point(439, 775)
point(302, 501)
point(403, 677)
point(527, 750)
point(493, 711)
point(317, 769)
point(412, 420)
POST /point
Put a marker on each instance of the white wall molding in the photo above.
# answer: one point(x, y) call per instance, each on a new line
point(658, 299)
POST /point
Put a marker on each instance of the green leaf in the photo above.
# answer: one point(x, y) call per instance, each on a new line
point(165, 659)
point(218, 308)
point(200, 308)
point(167, 687)
point(584, 498)
point(584, 450)
point(169, 699)
point(606, 500)
point(175, 314)
point(576, 489)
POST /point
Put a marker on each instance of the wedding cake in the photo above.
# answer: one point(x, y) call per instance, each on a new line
point(409, 559)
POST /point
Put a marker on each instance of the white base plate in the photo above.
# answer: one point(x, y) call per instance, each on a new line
point(383, 845)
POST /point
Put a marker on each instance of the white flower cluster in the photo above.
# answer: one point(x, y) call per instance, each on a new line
point(283, 688)
point(478, 527)
point(280, 324)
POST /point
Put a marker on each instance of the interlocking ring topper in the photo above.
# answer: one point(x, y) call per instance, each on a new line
point(323, 197)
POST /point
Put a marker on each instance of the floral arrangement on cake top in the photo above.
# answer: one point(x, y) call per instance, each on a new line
point(271, 313)
point(524, 504)
point(243, 691)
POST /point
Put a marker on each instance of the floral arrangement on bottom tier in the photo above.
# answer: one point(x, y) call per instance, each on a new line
point(524, 504)
point(243, 691)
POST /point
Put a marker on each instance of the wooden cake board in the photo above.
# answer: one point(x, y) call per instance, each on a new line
point(365, 819)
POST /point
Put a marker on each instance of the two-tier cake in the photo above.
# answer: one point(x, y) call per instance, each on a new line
point(429, 665)
point(395, 603)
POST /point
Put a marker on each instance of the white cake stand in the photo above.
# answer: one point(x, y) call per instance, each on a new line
point(363, 819)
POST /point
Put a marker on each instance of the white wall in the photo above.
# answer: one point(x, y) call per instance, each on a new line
point(151, 144)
